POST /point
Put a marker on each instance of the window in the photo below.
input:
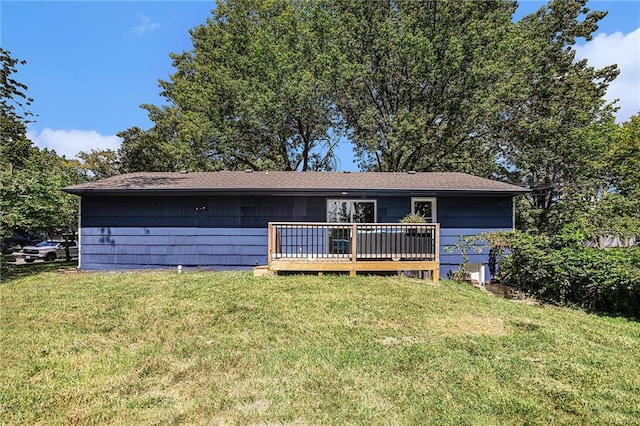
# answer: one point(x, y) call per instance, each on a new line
point(425, 207)
point(351, 211)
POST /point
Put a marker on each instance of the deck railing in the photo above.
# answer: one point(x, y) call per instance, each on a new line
point(353, 241)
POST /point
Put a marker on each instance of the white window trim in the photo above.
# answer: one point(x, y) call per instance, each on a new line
point(354, 200)
point(434, 206)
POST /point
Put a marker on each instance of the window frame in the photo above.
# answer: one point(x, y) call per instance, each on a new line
point(434, 206)
point(353, 200)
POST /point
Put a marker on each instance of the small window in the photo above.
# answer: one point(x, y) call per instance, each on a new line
point(426, 207)
point(351, 211)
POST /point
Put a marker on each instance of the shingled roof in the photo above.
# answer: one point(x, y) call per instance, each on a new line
point(273, 182)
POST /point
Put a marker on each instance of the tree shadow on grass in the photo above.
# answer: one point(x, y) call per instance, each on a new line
point(10, 271)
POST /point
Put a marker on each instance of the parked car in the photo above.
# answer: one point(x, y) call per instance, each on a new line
point(48, 250)
point(10, 245)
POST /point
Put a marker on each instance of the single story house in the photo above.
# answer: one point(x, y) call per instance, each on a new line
point(240, 219)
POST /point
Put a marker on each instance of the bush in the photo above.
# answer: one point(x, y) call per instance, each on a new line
point(562, 270)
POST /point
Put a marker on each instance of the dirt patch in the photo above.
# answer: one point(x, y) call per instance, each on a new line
point(462, 325)
point(259, 406)
point(472, 325)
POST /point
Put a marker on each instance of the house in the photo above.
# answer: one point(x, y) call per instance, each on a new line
point(240, 219)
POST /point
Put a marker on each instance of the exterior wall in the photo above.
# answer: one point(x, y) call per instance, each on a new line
point(231, 232)
point(209, 232)
point(460, 217)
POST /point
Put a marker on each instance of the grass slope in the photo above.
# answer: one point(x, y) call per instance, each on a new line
point(211, 348)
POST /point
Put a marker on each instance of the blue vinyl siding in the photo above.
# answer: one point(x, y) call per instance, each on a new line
point(208, 212)
point(451, 258)
point(136, 248)
point(230, 232)
point(475, 212)
point(454, 212)
point(392, 209)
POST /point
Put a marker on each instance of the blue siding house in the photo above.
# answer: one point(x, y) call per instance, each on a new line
point(219, 220)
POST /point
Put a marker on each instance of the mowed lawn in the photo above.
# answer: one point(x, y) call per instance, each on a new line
point(227, 348)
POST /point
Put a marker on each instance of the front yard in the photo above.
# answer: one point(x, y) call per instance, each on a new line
point(212, 348)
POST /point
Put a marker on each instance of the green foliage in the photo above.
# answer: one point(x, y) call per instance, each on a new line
point(413, 218)
point(31, 199)
point(100, 163)
point(561, 269)
point(14, 146)
point(623, 160)
point(250, 94)
point(418, 89)
point(146, 151)
point(414, 85)
point(557, 131)
point(612, 214)
point(30, 179)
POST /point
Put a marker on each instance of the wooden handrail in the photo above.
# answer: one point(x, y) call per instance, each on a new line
point(353, 241)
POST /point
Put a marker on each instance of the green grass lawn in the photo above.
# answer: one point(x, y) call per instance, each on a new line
point(213, 348)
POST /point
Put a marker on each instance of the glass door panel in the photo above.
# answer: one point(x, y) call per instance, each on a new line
point(347, 211)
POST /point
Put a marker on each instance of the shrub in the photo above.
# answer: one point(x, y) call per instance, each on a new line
point(562, 270)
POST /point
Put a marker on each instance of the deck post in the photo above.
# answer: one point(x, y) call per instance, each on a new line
point(354, 247)
point(269, 243)
point(436, 271)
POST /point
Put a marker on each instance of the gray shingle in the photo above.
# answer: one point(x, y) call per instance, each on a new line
point(263, 181)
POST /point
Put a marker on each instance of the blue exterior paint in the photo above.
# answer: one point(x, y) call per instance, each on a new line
point(475, 212)
point(451, 258)
point(296, 241)
point(230, 232)
point(136, 248)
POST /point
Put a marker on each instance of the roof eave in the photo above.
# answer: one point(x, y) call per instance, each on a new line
point(331, 192)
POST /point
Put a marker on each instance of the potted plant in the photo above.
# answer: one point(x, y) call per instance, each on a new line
point(415, 239)
point(414, 218)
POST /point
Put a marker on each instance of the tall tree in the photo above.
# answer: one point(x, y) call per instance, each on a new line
point(30, 178)
point(250, 93)
point(421, 81)
point(30, 197)
point(555, 131)
point(623, 159)
point(15, 148)
point(146, 150)
point(99, 163)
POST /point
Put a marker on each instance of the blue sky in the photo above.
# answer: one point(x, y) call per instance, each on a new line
point(90, 64)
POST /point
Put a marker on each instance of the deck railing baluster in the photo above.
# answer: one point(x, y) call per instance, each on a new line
point(362, 244)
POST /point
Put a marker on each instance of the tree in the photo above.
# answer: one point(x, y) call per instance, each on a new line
point(416, 85)
point(15, 148)
point(30, 182)
point(557, 129)
point(421, 81)
point(623, 160)
point(249, 94)
point(99, 163)
point(144, 151)
point(30, 197)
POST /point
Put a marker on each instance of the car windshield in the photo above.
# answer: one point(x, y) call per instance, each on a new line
point(47, 244)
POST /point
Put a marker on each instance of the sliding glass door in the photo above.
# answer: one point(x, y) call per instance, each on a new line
point(351, 211)
point(347, 211)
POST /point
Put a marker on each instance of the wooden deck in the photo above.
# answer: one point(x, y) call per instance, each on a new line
point(354, 247)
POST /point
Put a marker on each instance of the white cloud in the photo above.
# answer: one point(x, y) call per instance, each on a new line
point(146, 25)
point(623, 50)
point(70, 142)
